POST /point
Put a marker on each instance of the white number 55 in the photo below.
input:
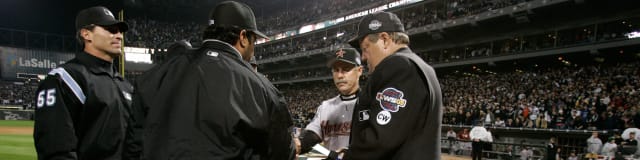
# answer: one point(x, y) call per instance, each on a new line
point(49, 98)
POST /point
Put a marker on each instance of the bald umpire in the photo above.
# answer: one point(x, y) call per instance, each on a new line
point(399, 111)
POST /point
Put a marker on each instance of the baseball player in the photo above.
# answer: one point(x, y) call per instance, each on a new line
point(332, 122)
point(399, 111)
point(83, 106)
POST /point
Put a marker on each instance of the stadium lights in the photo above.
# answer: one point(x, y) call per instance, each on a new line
point(633, 34)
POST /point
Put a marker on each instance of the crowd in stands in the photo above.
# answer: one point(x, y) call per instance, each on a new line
point(313, 12)
point(419, 15)
point(303, 100)
point(144, 32)
point(429, 14)
point(20, 94)
point(317, 41)
point(593, 97)
point(301, 74)
point(527, 43)
point(584, 98)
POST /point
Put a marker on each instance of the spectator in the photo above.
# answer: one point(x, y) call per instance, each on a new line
point(526, 153)
point(610, 148)
point(451, 137)
point(572, 156)
point(594, 143)
point(552, 150)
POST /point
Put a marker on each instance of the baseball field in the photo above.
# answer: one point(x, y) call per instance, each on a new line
point(16, 140)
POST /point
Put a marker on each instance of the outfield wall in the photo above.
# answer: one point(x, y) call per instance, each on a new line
point(16, 114)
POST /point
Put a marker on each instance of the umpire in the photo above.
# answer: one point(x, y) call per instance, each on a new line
point(399, 111)
point(82, 109)
point(210, 104)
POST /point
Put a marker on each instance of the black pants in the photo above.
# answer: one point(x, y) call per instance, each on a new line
point(476, 150)
point(476, 154)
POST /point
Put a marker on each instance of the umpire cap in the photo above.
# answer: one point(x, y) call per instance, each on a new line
point(235, 14)
point(348, 55)
point(376, 23)
point(98, 15)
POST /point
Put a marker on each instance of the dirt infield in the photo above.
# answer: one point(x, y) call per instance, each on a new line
point(16, 130)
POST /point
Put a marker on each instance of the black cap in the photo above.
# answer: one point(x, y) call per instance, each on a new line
point(98, 15)
point(235, 14)
point(348, 55)
point(376, 23)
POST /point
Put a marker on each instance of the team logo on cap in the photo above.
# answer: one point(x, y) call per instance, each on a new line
point(340, 53)
point(374, 25)
point(107, 12)
point(391, 99)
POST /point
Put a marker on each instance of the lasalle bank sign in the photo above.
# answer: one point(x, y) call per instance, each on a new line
point(18, 60)
point(34, 63)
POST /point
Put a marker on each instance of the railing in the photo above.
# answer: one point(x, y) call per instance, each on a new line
point(492, 150)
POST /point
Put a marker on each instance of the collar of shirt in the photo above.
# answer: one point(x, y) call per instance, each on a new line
point(349, 97)
point(404, 50)
point(97, 65)
point(217, 44)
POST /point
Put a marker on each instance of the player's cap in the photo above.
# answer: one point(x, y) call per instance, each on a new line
point(235, 14)
point(376, 23)
point(98, 15)
point(348, 55)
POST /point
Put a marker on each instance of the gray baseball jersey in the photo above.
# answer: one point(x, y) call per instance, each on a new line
point(332, 122)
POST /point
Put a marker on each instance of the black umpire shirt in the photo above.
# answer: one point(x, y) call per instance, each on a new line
point(399, 112)
point(210, 104)
point(82, 111)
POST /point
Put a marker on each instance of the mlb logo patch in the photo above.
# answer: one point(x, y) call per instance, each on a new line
point(391, 99)
point(363, 115)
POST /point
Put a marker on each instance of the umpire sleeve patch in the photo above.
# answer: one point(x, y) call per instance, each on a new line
point(391, 99)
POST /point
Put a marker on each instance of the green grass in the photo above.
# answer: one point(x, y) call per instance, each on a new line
point(16, 146)
point(12, 123)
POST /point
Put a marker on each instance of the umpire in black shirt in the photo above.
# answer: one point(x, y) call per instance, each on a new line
point(399, 112)
point(82, 109)
point(210, 104)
